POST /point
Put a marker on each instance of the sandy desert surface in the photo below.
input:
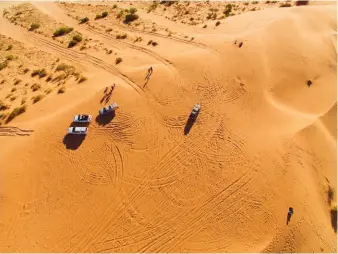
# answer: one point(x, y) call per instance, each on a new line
point(146, 179)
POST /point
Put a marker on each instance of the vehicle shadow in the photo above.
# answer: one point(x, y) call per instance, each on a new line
point(105, 119)
point(188, 125)
point(73, 142)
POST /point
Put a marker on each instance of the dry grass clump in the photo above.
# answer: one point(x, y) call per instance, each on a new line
point(9, 47)
point(62, 89)
point(132, 16)
point(35, 87)
point(67, 69)
point(3, 106)
point(82, 79)
point(62, 31)
point(37, 98)
point(41, 73)
point(17, 111)
point(285, 5)
point(121, 36)
point(102, 15)
point(75, 40)
point(34, 26)
point(118, 60)
point(84, 20)
point(153, 6)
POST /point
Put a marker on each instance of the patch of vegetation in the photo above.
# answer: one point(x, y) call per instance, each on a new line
point(68, 69)
point(17, 111)
point(118, 60)
point(23, 101)
point(75, 40)
point(82, 79)
point(35, 87)
point(121, 36)
point(3, 65)
point(120, 14)
point(10, 57)
point(3, 106)
point(285, 5)
point(205, 26)
point(330, 195)
point(84, 20)
point(34, 26)
point(303, 2)
point(25, 70)
point(9, 47)
point(228, 9)
point(63, 31)
point(62, 89)
point(212, 16)
point(102, 15)
point(154, 43)
point(153, 7)
point(13, 98)
point(41, 73)
point(114, 6)
point(109, 30)
point(138, 39)
point(50, 77)
point(131, 16)
point(17, 82)
point(255, 2)
point(37, 98)
point(217, 23)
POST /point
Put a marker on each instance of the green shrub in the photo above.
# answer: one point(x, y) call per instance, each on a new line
point(115, 6)
point(37, 98)
point(62, 31)
point(10, 57)
point(84, 20)
point(16, 112)
point(34, 26)
point(9, 47)
point(104, 14)
point(77, 38)
point(41, 73)
point(130, 18)
point(118, 60)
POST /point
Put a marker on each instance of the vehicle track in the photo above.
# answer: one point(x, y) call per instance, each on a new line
point(14, 131)
point(82, 58)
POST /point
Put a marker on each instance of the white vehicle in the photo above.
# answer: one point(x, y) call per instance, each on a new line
point(110, 108)
point(78, 130)
point(195, 111)
point(82, 118)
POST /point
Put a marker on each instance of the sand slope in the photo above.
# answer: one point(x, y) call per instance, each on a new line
point(264, 140)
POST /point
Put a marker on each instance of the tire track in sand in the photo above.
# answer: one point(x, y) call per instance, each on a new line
point(82, 58)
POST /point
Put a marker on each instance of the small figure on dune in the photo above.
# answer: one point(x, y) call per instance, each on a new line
point(240, 44)
point(106, 89)
point(290, 213)
point(113, 87)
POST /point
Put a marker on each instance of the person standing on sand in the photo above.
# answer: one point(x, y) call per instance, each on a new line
point(290, 213)
point(150, 71)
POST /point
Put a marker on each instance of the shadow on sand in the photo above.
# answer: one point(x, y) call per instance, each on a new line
point(334, 219)
point(105, 119)
point(73, 142)
point(188, 125)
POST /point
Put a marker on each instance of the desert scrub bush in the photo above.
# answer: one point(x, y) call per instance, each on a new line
point(3, 106)
point(205, 26)
point(154, 43)
point(153, 7)
point(9, 47)
point(118, 60)
point(75, 40)
point(48, 90)
point(121, 36)
point(10, 57)
point(217, 23)
point(84, 20)
point(285, 5)
point(68, 69)
point(18, 81)
point(138, 39)
point(120, 14)
point(131, 16)
point(255, 2)
point(303, 2)
point(23, 101)
point(82, 79)
point(330, 195)
point(13, 98)
point(62, 89)
point(34, 26)
point(13, 89)
point(41, 73)
point(3, 65)
point(25, 70)
point(35, 87)
point(102, 15)
point(62, 31)
point(109, 30)
point(114, 6)
point(37, 98)
point(17, 111)
point(228, 9)
point(50, 77)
